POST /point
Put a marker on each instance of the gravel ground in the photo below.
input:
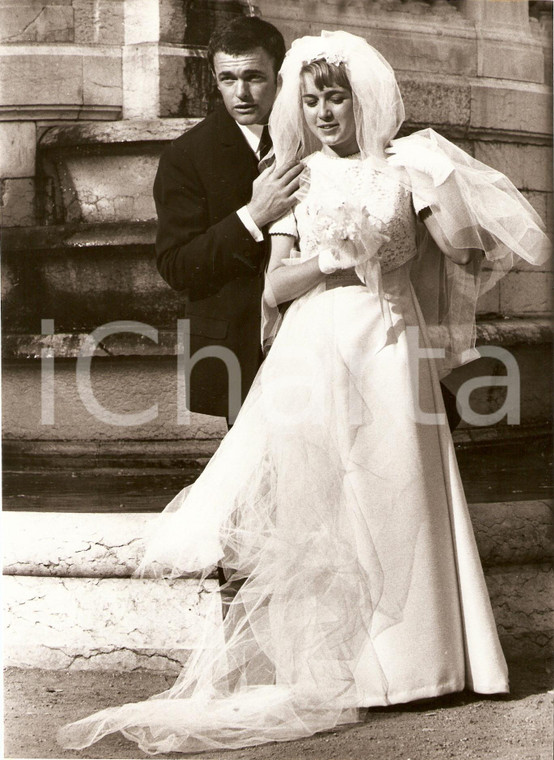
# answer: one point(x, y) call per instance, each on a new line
point(516, 727)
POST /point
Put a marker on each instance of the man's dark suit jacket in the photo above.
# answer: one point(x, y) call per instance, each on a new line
point(202, 247)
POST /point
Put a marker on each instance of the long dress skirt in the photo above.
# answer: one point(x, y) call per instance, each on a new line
point(335, 505)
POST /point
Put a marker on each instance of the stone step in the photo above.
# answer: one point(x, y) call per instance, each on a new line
point(70, 602)
point(109, 545)
point(506, 332)
point(502, 463)
point(103, 623)
point(123, 624)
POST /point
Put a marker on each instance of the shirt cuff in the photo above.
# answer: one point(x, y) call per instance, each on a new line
point(244, 215)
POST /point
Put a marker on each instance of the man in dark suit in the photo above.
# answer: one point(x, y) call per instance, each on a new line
point(213, 206)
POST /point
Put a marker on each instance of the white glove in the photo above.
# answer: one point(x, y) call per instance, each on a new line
point(327, 262)
point(348, 255)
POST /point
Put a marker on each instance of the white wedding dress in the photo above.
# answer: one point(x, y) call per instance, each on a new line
point(338, 505)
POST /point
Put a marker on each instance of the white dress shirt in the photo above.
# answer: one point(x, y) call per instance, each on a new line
point(253, 135)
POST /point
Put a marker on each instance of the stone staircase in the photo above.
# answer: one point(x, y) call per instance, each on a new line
point(72, 604)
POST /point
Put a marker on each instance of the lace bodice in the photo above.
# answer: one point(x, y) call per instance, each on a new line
point(335, 192)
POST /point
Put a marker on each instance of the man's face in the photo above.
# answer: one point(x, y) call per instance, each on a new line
point(247, 83)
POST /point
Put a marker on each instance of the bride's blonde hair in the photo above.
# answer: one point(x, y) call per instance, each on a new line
point(327, 74)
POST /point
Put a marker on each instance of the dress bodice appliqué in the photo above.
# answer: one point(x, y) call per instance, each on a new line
point(346, 186)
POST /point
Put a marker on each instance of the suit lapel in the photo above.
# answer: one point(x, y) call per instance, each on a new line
point(236, 150)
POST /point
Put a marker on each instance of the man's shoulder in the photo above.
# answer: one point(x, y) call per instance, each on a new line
point(206, 129)
point(204, 134)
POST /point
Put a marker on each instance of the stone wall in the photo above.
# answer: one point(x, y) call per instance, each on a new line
point(68, 61)
point(60, 60)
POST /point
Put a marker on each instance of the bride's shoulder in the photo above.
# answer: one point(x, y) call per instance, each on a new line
point(312, 158)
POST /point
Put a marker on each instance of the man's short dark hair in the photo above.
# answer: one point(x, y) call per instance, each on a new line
point(244, 34)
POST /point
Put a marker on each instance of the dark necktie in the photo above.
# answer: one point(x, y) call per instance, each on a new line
point(265, 143)
point(265, 150)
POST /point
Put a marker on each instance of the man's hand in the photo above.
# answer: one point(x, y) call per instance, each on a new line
point(272, 192)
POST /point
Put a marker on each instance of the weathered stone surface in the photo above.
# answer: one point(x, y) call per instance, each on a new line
point(409, 48)
point(405, 33)
point(73, 545)
point(489, 303)
point(102, 81)
point(94, 191)
point(532, 397)
point(50, 81)
point(519, 107)
point(156, 21)
point(120, 342)
point(128, 387)
point(45, 75)
point(59, 82)
point(86, 623)
point(513, 332)
point(515, 532)
point(99, 21)
point(441, 101)
point(28, 21)
point(542, 30)
point(506, 58)
point(526, 292)
point(167, 81)
point(17, 149)
point(528, 166)
point(115, 132)
point(521, 598)
point(122, 283)
point(141, 93)
point(186, 83)
point(174, 19)
point(520, 265)
point(542, 203)
point(110, 545)
point(17, 198)
point(511, 17)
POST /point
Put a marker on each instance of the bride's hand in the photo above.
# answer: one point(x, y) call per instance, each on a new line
point(344, 249)
point(350, 254)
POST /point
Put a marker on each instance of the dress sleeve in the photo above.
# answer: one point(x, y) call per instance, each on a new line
point(476, 207)
point(286, 225)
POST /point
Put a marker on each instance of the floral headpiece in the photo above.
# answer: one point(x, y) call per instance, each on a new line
point(335, 57)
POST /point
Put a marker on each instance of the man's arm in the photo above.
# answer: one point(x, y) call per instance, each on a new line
point(191, 253)
point(194, 255)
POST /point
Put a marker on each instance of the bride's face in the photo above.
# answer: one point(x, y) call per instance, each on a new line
point(329, 115)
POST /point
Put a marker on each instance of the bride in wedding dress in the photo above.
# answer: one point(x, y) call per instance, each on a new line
point(334, 505)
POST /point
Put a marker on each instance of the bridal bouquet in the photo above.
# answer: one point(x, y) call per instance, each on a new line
point(351, 235)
